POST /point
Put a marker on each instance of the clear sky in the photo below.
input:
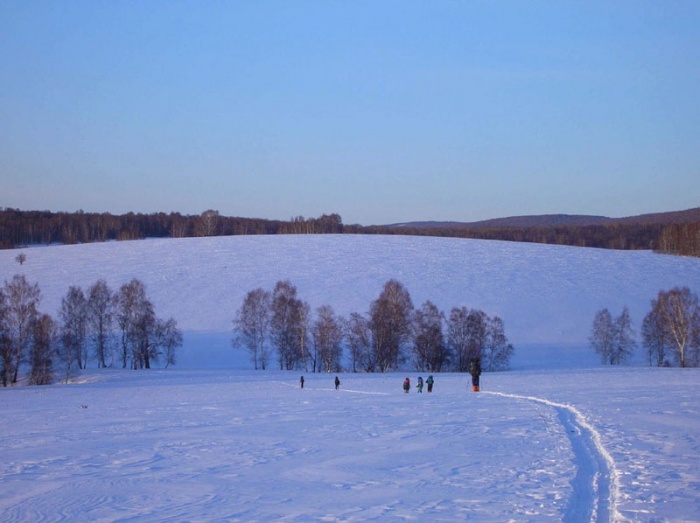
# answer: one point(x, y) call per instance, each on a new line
point(382, 111)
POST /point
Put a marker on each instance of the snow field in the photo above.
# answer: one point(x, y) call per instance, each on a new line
point(559, 438)
point(215, 445)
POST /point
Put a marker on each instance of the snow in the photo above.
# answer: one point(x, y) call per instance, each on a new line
point(558, 438)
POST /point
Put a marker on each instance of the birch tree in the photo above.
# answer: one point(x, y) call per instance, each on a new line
point(359, 339)
point(100, 320)
point(327, 339)
point(624, 341)
point(43, 350)
point(289, 326)
point(73, 327)
point(612, 338)
point(655, 338)
point(430, 351)
point(497, 352)
point(390, 325)
point(458, 337)
point(252, 326)
point(679, 317)
point(602, 335)
point(136, 320)
point(20, 311)
point(167, 339)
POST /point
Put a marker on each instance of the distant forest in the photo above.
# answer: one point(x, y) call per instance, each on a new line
point(671, 233)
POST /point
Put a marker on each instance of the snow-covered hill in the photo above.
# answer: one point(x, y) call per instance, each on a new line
point(547, 295)
point(558, 443)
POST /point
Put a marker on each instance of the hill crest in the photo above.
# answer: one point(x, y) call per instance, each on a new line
point(561, 220)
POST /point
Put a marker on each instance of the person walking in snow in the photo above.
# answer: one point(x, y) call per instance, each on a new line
point(475, 371)
point(337, 383)
point(406, 385)
point(301, 381)
point(419, 386)
point(430, 382)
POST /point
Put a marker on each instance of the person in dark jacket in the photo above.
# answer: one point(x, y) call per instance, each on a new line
point(406, 385)
point(337, 383)
point(475, 371)
point(429, 382)
point(301, 381)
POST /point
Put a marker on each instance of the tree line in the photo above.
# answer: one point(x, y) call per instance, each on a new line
point(113, 328)
point(677, 239)
point(670, 331)
point(21, 228)
point(393, 333)
point(681, 239)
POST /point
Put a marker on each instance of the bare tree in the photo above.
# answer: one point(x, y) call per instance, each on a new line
point(467, 335)
point(168, 338)
point(100, 319)
point(20, 312)
point(430, 352)
point(252, 325)
point(136, 320)
point(282, 323)
point(477, 328)
point(145, 348)
point(612, 339)
point(208, 223)
point(73, 317)
point(602, 335)
point(360, 342)
point(497, 351)
point(43, 349)
point(458, 337)
point(678, 316)
point(390, 325)
point(303, 319)
point(624, 342)
point(21, 258)
point(655, 338)
point(472, 334)
point(289, 326)
point(328, 339)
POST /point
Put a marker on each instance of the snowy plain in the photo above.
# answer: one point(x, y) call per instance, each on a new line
point(557, 438)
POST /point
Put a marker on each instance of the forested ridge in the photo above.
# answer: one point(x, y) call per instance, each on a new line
point(672, 233)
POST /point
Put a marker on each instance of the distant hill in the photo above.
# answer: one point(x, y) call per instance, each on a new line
point(561, 220)
point(675, 232)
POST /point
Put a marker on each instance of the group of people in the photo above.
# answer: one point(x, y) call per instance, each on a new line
point(336, 382)
point(474, 370)
point(419, 385)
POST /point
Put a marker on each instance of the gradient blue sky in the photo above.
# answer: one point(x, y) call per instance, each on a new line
point(382, 111)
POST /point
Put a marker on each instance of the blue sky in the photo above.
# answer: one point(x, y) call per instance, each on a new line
point(382, 111)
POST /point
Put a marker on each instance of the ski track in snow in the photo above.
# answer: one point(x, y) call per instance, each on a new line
point(596, 485)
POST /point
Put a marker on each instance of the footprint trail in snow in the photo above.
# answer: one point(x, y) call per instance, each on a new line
point(596, 484)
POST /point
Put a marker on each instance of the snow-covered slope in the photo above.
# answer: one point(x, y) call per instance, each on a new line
point(597, 445)
point(548, 442)
point(547, 295)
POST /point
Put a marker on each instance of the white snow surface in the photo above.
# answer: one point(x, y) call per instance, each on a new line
point(557, 438)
